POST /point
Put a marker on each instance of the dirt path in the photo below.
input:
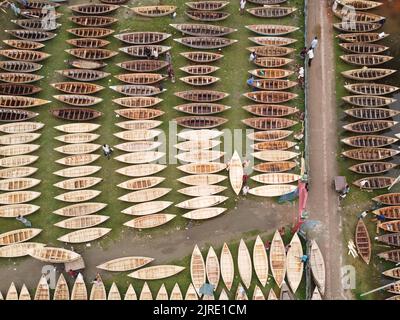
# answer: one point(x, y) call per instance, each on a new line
point(323, 201)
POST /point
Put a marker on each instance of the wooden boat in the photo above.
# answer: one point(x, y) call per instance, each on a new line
point(139, 113)
point(18, 138)
point(365, 59)
point(375, 89)
point(147, 208)
point(272, 97)
point(392, 212)
point(372, 113)
point(140, 157)
point(139, 51)
point(202, 168)
point(17, 172)
point(77, 87)
point(17, 161)
point(202, 108)
point(17, 236)
point(77, 127)
point(286, 294)
point(92, 9)
point(277, 258)
point(197, 269)
point(271, 29)
point(78, 183)
point(145, 195)
point(369, 141)
point(31, 35)
point(270, 135)
point(176, 293)
point(150, 221)
point(86, 64)
point(75, 114)
point(367, 37)
point(156, 272)
point(61, 291)
point(392, 255)
point(78, 100)
point(200, 155)
point(390, 226)
point(392, 199)
point(21, 127)
point(146, 294)
point(372, 167)
point(21, 102)
point(276, 178)
point(91, 53)
point(270, 51)
point(98, 291)
point(203, 30)
point(212, 268)
point(82, 222)
point(370, 154)
point(137, 90)
point(205, 213)
point(19, 66)
point(93, 21)
point(114, 294)
point(79, 290)
point(236, 173)
point(135, 146)
point(24, 293)
point(39, 4)
point(200, 122)
point(154, 11)
point(361, 4)
point(317, 266)
point(141, 183)
point(392, 273)
point(274, 167)
point(195, 145)
point(394, 288)
point(275, 190)
point(84, 235)
point(80, 209)
point(207, 5)
point(391, 239)
point(363, 48)
point(201, 95)
point(42, 290)
point(38, 13)
point(18, 89)
point(15, 210)
point(369, 126)
point(17, 184)
point(201, 80)
point(273, 145)
point(19, 249)
point(53, 255)
point(202, 190)
point(367, 74)
point(130, 292)
point(91, 32)
point(202, 179)
point(78, 196)
point(19, 77)
point(359, 16)
point(272, 62)
point(88, 42)
point(201, 56)
point(140, 78)
point(368, 100)
point(227, 266)
point(125, 264)
point(272, 41)
point(274, 155)
point(260, 261)
point(199, 69)
point(272, 295)
point(141, 38)
point(207, 16)
point(201, 202)
point(138, 134)
point(357, 27)
point(201, 134)
point(205, 42)
point(77, 137)
point(271, 11)
point(78, 148)
point(140, 170)
point(76, 172)
point(261, 123)
point(36, 24)
point(241, 293)
point(23, 44)
point(83, 75)
point(273, 84)
point(143, 65)
point(294, 264)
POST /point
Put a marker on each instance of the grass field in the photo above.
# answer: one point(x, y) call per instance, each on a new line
point(233, 74)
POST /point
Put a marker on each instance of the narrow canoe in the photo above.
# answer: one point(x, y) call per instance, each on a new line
point(139, 38)
point(271, 73)
point(138, 134)
point(274, 155)
point(139, 124)
point(17, 172)
point(21, 127)
point(15, 210)
point(210, 16)
point(370, 126)
point(275, 190)
point(200, 156)
point(140, 157)
point(150, 221)
point(143, 65)
point(271, 11)
point(162, 293)
point(372, 113)
point(368, 100)
point(201, 56)
point(286, 293)
point(199, 69)
point(125, 264)
point(78, 148)
point(392, 255)
point(363, 241)
point(370, 154)
point(53, 255)
point(191, 293)
point(135, 146)
point(176, 293)
point(88, 43)
point(317, 264)
point(271, 29)
point(276, 178)
point(391, 199)
point(363, 48)
point(390, 226)
point(130, 293)
point(79, 290)
point(19, 77)
point(141, 183)
point(391, 212)
point(205, 42)
point(244, 264)
point(17, 184)
point(19, 249)
point(202, 190)
point(271, 97)
point(212, 268)
point(357, 27)
point(154, 11)
point(42, 290)
point(202, 167)
point(272, 62)
point(98, 291)
point(373, 167)
point(156, 272)
point(227, 266)
point(273, 145)
point(78, 195)
point(18, 149)
point(78, 137)
point(84, 235)
point(366, 74)
point(236, 173)
point(367, 37)
point(270, 110)
point(78, 159)
point(197, 269)
point(260, 261)
point(89, 32)
point(80, 209)
point(202, 108)
point(205, 213)
point(278, 259)
point(92, 8)
point(77, 172)
point(361, 4)
point(17, 197)
point(82, 222)
point(19, 138)
point(140, 170)
point(78, 100)
point(24, 293)
point(269, 135)
point(146, 294)
point(195, 145)
point(147, 208)
point(202, 30)
point(294, 264)
point(392, 273)
point(316, 295)
point(275, 167)
point(201, 202)
point(365, 59)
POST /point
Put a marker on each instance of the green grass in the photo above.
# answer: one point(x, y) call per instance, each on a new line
point(233, 73)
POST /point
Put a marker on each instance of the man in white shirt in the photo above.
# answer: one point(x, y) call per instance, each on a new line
point(310, 55)
point(242, 6)
point(314, 43)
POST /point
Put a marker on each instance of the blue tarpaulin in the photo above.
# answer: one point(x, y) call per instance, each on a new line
point(289, 196)
point(207, 289)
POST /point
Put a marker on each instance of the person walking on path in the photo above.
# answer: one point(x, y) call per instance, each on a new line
point(242, 6)
point(310, 54)
point(314, 43)
point(171, 73)
point(23, 220)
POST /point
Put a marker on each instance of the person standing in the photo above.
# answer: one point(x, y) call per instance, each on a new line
point(310, 54)
point(242, 6)
point(253, 56)
point(314, 43)
point(303, 53)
